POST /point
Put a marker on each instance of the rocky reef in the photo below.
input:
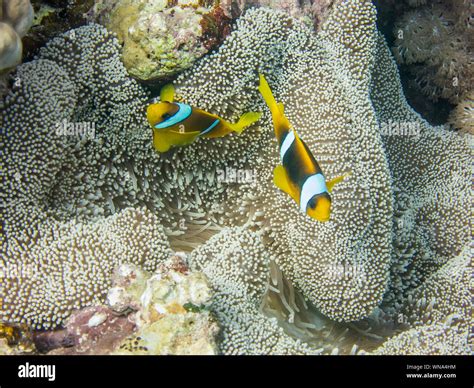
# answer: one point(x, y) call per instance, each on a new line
point(86, 194)
point(160, 38)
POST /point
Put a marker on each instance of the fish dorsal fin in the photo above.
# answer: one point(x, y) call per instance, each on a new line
point(330, 184)
point(294, 131)
point(281, 108)
point(167, 93)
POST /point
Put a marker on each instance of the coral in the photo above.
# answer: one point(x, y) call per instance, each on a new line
point(11, 350)
point(216, 26)
point(16, 17)
point(435, 40)
point(51, 19)
point(311, 12)
point(177, 334)
point(172, 285)
point(19, 14)
point(16, 339)
point(462, 116)
point(161, 38)
point(163, 312)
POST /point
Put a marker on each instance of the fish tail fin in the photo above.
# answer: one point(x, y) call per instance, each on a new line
point(245, 120)
point(267, 94)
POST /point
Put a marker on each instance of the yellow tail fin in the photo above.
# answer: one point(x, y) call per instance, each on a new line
point(245, 120)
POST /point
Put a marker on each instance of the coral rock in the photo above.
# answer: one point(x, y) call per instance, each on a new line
point(92, 330)
point(171, 315)
point(179, 333)
point(16, 18)
point(159, 39)
point(19, 13)
point(16, 339)
point(10, 47)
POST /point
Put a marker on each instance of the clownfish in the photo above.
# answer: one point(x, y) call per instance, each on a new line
point(299, 174)
point(179, 124)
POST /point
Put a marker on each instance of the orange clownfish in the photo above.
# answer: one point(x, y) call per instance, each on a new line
point(299, 174)
point(179, 124)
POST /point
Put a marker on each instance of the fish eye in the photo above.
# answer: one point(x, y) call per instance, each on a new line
point(312, 203)
point(317, 200)
point(165, 116)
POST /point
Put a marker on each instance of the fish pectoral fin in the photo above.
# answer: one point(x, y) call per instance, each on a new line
point(331, 183)
point(160, 142)
point(280, 179)
point(245, 120)
point(167, 93)
point(164, 140)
